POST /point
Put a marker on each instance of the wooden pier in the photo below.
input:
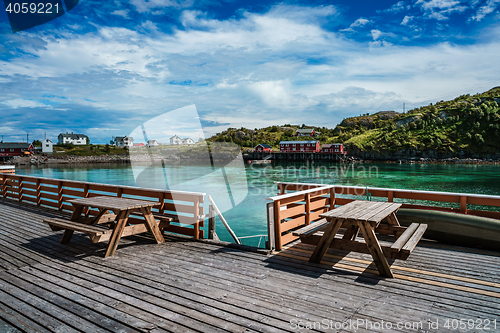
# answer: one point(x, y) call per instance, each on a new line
point(184, 285)
point(300, 156)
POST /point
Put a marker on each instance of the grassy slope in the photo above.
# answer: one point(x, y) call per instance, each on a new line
point(468, 123)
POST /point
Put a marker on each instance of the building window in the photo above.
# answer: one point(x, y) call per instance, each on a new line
point(2, 149)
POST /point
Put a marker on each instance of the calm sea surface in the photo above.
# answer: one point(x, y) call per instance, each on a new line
point(249, 187)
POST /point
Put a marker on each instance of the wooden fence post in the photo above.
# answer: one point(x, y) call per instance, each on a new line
point(277, 225)
point(59, 195)
point(211, 223)
point(38, 193)
point(196, 224)
point(271, 240)
point(20, 189)
point(390, 196)
point(332, 198)
point(463, 204)
point(308, 208)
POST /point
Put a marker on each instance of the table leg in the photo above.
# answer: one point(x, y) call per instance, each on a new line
point(77, 211)
point(392, 219)
point(326, 240)
point(96, 219)
point(121, 221)
point(351, 233)
point(375, 249)
point(151, 224)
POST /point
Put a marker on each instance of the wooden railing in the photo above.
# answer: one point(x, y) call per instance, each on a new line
point(184, 207)
point(9, 169)
point(291, 211)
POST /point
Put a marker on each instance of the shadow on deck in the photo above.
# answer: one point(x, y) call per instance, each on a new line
point(187, 286)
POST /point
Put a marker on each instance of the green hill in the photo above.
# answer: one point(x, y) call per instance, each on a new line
point(467, 125)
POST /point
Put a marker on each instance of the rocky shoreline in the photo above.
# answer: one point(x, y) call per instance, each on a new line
point(49, 160)
point(422, 160)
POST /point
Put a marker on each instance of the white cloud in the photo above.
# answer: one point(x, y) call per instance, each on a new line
point(121, 12)
point(483, 11)
point(356, 24)
point(376, 34)
point(398, 7)
point(23, 103)
point(406, 20)
point(441, 4)
point(145, 6)
point(441, 9)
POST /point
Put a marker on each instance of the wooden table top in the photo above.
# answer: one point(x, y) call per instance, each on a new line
point(370, 211)
point(113, 203)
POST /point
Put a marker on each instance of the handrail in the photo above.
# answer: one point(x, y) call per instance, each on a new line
point(289, 195)
point(471, 195)
point(33, 178)
point(231, 232)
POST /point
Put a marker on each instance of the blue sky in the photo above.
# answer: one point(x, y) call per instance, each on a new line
point(104, 68)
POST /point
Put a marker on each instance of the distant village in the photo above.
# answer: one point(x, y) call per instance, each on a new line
point(10, 149)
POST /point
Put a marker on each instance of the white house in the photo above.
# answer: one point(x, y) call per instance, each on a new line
point(153, 143)
point(175, 140)
point(47, 146)
point(76, 139)
point(188, 141)
point(124, 141)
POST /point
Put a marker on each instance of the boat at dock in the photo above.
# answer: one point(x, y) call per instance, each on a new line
point(455, 228)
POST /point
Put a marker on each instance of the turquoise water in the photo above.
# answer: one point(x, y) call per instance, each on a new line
point(248, 217)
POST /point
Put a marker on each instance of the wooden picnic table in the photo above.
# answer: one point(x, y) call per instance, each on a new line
point(118, 222)
point(365, 216)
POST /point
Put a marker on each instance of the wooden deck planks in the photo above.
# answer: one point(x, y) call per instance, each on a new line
point(183, 286)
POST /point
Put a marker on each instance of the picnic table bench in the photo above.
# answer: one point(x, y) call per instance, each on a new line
point(364, 216)
point(106, 226)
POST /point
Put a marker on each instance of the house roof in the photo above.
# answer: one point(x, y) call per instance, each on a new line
point(47, 140)
point(175, 136)
point(305, 130)
point(13, 145)
point(264, 145)
point(329, 145)
point(288, 142)
point(73, 136)
point(121, 138)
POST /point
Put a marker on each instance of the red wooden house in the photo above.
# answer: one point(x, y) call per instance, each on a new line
point(263, 148)
point(305, 132)
point(15, 148)
point(299, 146)
point(334, 148)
